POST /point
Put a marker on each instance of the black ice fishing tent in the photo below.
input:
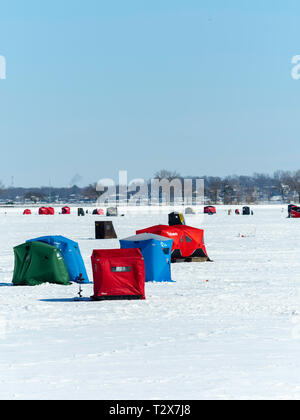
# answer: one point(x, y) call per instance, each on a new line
point(105, 230)
point(176, 219)
point(246, 211)
point(80, 212)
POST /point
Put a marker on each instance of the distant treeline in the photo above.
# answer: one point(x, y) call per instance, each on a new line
point(282, 186)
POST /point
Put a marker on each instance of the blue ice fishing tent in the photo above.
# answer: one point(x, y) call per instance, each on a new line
point(156, 251)
point(71, 254)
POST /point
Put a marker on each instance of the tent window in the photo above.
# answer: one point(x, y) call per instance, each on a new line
point(181, 239)
point(120, 269)
point(188, 239)
point(166, 250)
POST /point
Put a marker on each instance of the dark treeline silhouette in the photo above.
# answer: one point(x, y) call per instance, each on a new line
point(282, 186)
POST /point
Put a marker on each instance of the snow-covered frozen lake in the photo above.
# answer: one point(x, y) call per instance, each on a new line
point(225, 330)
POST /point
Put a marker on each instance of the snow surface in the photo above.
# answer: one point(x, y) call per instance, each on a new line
point(229, 329)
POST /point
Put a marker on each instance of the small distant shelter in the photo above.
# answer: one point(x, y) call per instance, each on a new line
point(66, 210)
point(98, 212)
point(290, 207)
point(48, 211)
point(189, 211)
point(105, 230)
point(176, 219)
point(210, 210)
point(295, 212)
point(80, 212)
point(246, 211)
point(112, 212)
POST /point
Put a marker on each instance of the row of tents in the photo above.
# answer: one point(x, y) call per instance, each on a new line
point(118, 273)
point(211, 210)
point(50, 211)
point(145, 257)
point(110, 212)
point(113, 211)
point(246, 211)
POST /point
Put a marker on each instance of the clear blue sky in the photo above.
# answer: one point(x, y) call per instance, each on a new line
point(198, 86)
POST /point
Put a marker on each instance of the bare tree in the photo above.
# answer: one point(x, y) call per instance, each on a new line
point(227, 191)
point(1, 188)
point(91, 192)
point(292, 179)
point(35, 196)
point(238, 190)
point(165, 174)
point(280, 184)
point(251, 195)
point(214, 189)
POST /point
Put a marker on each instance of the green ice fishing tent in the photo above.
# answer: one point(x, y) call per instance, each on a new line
point(37, 263)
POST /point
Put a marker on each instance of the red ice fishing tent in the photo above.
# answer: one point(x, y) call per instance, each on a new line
point(27, 211)
point(119, 274)
point(290, 206)
point(43, 210)
point(295, 212)
point(46, 211)
point(66, 210)
point(210, 210)
point(188, 242)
